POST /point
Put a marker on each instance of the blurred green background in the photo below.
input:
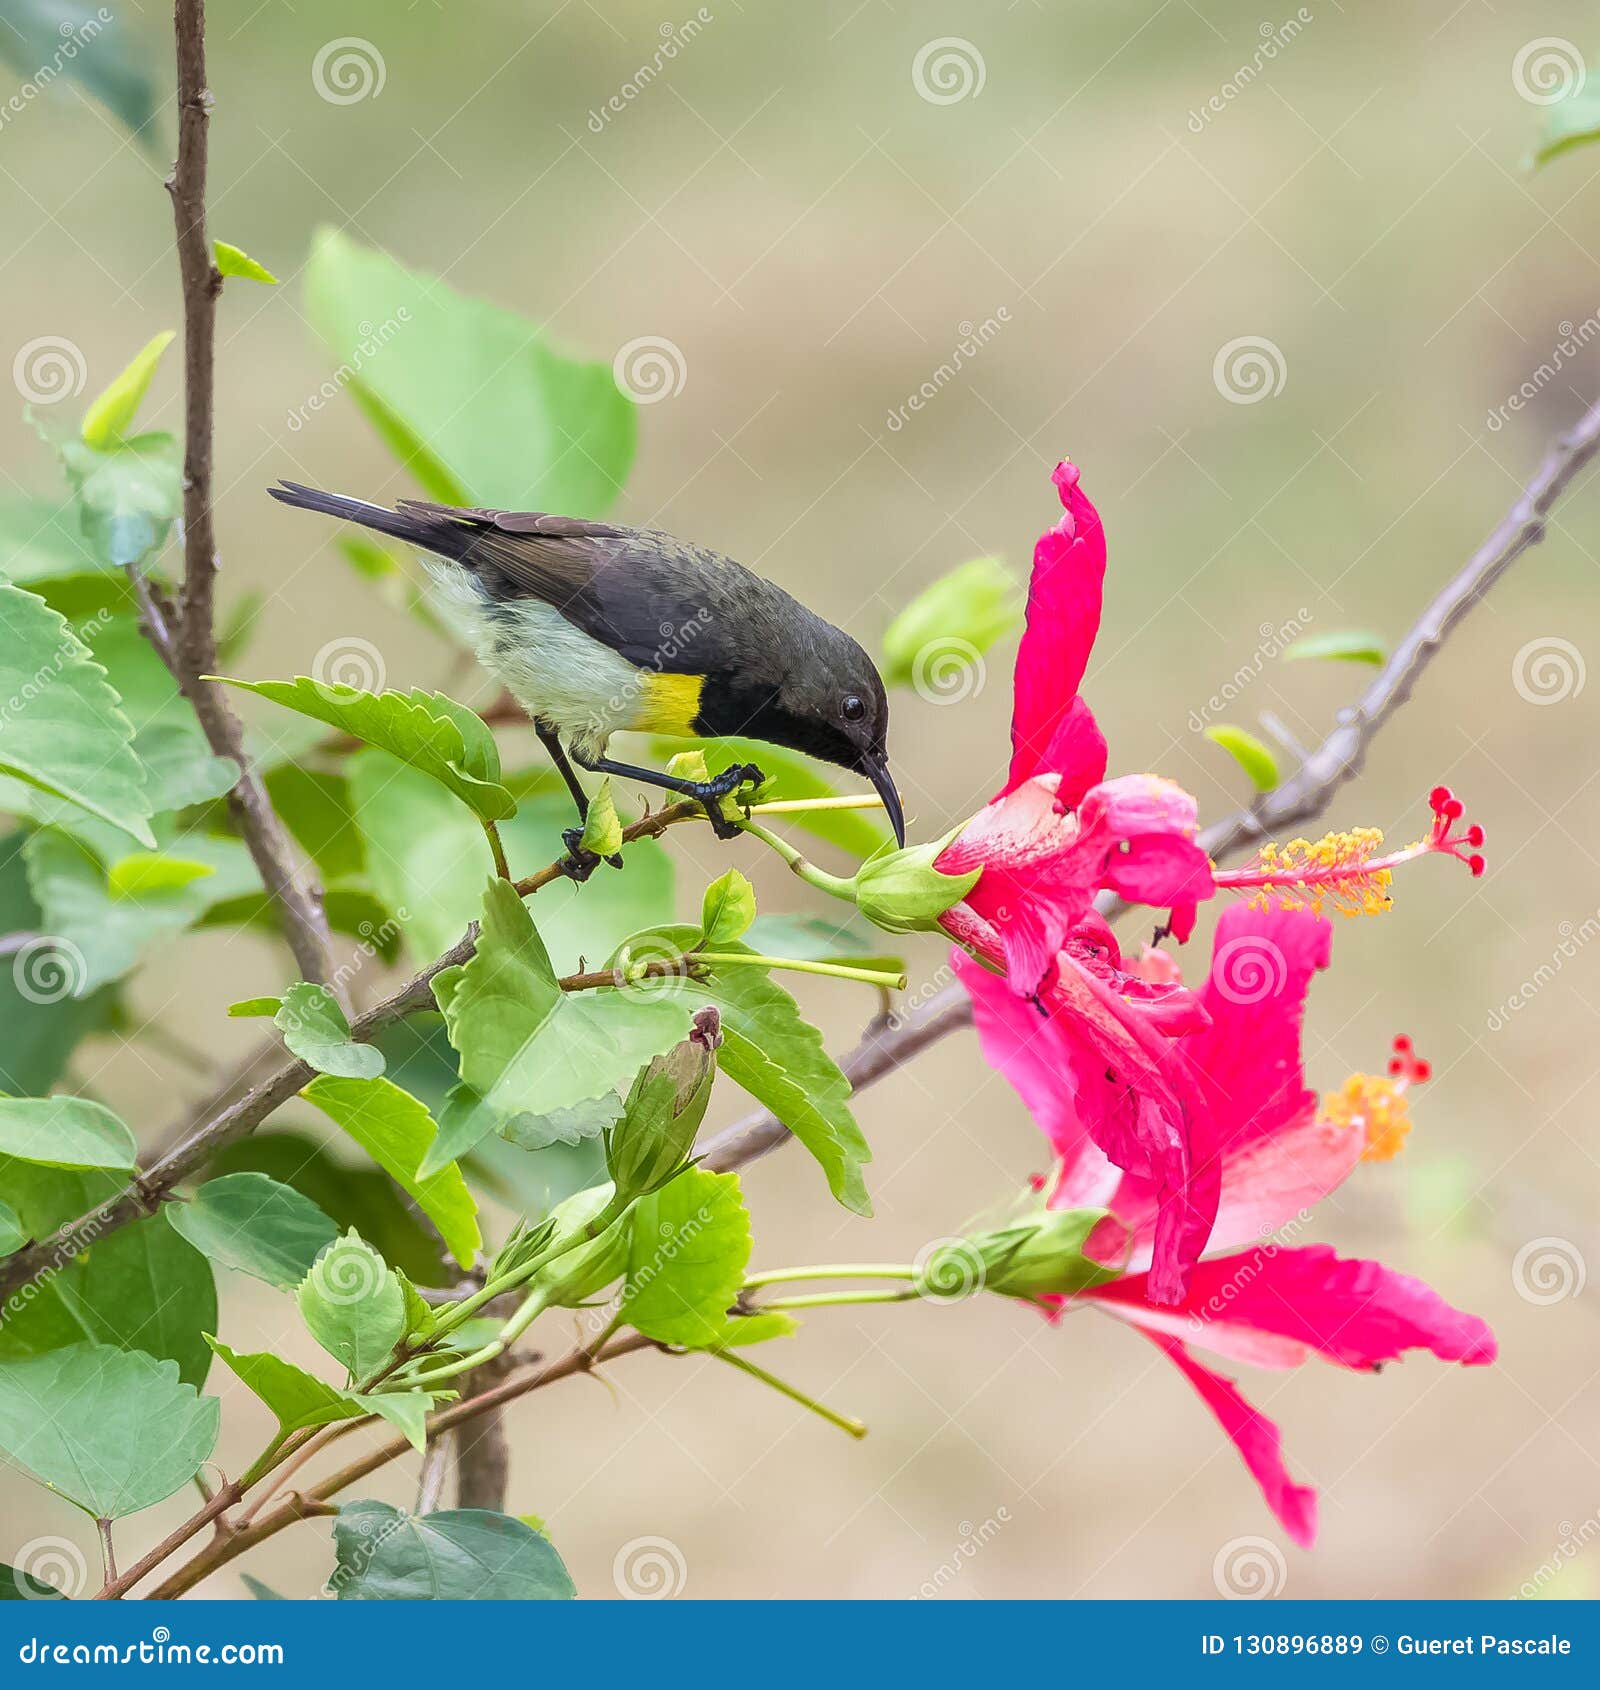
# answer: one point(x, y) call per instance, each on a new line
point(815, 239)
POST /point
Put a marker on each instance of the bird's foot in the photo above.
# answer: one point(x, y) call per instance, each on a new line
point(712, 792)
point(580, 862)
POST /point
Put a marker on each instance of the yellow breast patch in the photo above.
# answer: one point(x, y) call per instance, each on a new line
point(668, 704)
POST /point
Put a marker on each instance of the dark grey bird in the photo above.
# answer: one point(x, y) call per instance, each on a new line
point(596, 628)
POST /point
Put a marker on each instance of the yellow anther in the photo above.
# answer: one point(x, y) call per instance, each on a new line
point(1374, 1105)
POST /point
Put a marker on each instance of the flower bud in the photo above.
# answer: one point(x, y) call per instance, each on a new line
point(668, 1101)
point(584, 1270)
point(1041, 1255)
point(902, 892)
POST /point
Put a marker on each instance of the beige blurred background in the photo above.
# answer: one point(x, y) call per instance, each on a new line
point(783, 205)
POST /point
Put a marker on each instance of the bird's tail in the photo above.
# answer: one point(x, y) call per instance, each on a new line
point(428, 528)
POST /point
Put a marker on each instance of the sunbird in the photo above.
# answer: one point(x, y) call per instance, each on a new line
point(595, 629)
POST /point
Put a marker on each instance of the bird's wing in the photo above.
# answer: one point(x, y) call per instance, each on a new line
point(639, 592)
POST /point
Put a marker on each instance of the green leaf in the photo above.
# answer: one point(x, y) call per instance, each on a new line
point(234, 261)
point(122, 1432)
point(687, 1259)
point(777, 1056)
point(1249, 753)
point(1568, 124)
point(179, 768)
point(602, 831)
point(726, 911)
point(406, 1411)
point(107, 419)
point(251, 1008)
point(110, 935)
point(298, 1399)
point(12, 1233)
point(741, 1331)
point(418, 839)
point(65, 730)
point(396, 1131)
point(128, 497)
point(64, 1132)
point(42, 543)
point(1350, 645)
point(261, 1591)
point(492, 404)
point(110, 60)
point(315, 1029)
point(455, 1555)
point(527, 1047)
point(424, 729)
point(352, 1194)
point(317, 809)
point(143, 873)
point(949, 625)
point(254, 1225)
point(139, 1288)
point(353, 1305)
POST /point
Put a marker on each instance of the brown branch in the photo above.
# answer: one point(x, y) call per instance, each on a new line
point(183, 635)
point(482, 1449)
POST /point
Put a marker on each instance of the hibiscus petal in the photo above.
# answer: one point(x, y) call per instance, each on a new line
point(1267, 1183)
point(1353, 1313)
point(1258, 1440)
point(1149, 826)
point(1076, 753)
point(1262, 964)
point(1064, 597)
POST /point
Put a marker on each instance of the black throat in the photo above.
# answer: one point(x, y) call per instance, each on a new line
point(745, 710)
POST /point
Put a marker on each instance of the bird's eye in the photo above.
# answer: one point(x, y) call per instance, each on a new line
point(852, 709)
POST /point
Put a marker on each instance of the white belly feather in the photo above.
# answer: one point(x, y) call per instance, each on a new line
point(556, 672)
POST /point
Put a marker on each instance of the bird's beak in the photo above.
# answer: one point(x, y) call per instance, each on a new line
point(877, 769)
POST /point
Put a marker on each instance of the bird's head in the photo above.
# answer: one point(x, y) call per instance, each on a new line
point(835, 708)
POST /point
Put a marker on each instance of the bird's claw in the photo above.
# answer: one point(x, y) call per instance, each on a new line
point(712, 792)
point(580, 862)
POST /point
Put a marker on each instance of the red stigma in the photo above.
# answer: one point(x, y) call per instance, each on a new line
point(1448, 809)
point(1405, 1065)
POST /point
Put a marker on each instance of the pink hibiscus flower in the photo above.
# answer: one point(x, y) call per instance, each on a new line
point(1059, 831)
point(1271, 1155)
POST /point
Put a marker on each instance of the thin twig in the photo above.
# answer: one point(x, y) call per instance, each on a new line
point(184, 636)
